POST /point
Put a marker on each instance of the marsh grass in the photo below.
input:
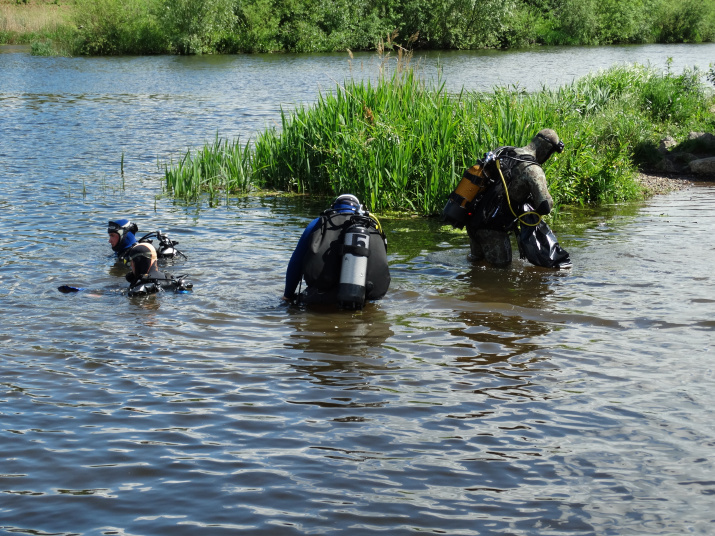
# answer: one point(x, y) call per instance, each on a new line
point(219, 169)
point(401, 144)
point(30, 23)
point(36, 18)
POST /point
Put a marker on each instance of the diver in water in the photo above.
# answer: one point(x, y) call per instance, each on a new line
point(506, 188)
point(145, 278)
point(342, 255)
point(122, 237)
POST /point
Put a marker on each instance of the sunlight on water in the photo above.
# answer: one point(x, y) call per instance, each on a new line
point(469, 401)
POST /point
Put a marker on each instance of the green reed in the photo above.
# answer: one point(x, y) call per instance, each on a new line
point(221, 168)
point(401, 144)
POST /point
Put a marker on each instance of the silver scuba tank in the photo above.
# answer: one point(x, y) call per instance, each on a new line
point(167, 252)
point(165, 247)
point(353, 271)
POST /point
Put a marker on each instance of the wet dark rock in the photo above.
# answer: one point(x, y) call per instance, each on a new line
point(703, 166)
point(694, 156)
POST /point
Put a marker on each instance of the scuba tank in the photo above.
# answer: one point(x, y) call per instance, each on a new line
point(165, 248)
point(353, 271)
point(474, 181)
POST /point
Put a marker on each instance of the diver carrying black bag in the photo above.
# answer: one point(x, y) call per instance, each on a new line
point(538, 244)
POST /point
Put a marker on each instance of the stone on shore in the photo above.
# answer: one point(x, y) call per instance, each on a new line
point(703, 166)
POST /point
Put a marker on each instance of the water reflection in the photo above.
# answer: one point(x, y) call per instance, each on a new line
point(327, 331)
point(519, 284)
point(469, 401)
point(341, 352)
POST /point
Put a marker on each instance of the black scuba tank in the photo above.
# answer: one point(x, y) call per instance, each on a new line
point(353, 270)
point(472, 186)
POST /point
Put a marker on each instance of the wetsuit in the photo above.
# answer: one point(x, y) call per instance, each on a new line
point(145, 278)
point(492, 218)
point(124, 245)
point(318, 257)
point(156, 281)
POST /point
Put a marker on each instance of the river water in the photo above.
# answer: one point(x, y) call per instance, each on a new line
point(469, 401)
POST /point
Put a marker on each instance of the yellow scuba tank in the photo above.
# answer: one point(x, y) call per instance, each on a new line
point(474, 182)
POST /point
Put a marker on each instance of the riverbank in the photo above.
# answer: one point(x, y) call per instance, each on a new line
point(402, 144)
point(103, 27)
point(658, 184)
point(33, 20)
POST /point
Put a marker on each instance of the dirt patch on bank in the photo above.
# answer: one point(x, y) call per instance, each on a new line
point(662, 183)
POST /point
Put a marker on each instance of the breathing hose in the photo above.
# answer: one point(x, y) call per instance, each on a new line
point(508, 202)
point(377, 222)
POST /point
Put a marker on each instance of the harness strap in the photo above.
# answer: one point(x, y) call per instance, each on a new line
point(360, 251)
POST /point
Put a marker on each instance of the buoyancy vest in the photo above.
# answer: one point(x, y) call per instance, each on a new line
point(165, 248)
point(491, 210)
point(158, 282)
point(322, 260)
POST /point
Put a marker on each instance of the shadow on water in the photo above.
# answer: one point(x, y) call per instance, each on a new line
point(468, 401)
point(327, 332)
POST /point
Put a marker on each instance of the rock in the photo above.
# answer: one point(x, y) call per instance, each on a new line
point(703, 166)
point(704, 136)
point(666, 144)
point(665, 166)
point(704, 141)
point(683, 158)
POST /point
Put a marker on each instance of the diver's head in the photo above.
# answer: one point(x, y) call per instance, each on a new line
point(143, 259)
point(544, 144)
point(347, 203)
point(121, 234)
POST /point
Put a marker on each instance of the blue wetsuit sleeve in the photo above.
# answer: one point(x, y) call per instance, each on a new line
point(294, 273)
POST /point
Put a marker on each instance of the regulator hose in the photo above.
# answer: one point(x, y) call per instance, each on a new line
point(508, 202)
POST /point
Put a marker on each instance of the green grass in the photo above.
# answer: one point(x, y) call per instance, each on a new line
point(219, 169)
point(401, 144)
point(102, 27)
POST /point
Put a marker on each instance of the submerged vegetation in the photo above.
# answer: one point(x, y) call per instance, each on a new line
point(402, 144)
point(229, 26)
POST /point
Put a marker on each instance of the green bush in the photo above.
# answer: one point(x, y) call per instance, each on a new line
point(199, 27)
point(106, 27)
point(672, 98)
point(690, 21)
point(195, 26)
point(42, 48)
point(402, 144)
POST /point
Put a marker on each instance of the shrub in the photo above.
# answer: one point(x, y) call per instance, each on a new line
point(106, 27)
point(402, 144)
point(195, 26)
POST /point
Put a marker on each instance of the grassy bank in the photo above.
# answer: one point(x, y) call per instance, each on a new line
point(103, 27)
point(34, 21)
point(402, 145)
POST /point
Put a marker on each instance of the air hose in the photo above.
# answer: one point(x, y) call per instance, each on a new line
point(508, 202)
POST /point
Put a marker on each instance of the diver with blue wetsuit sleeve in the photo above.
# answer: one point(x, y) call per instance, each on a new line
point(122, 238)
point(342, 256)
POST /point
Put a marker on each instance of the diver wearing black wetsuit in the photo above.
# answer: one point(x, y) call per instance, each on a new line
point(145, 278)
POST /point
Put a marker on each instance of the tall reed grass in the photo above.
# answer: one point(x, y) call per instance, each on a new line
point(28, 22)
point(401, 144)
point(218, 169)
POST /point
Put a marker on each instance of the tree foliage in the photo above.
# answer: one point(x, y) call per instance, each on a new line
point(231, 26)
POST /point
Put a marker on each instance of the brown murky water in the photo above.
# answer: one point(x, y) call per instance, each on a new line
point(469, 401)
